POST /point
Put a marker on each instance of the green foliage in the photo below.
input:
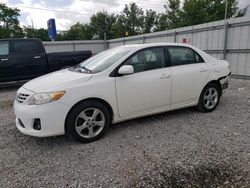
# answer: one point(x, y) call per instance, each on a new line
point(9, 24)
point(173, 13)
point(78, 32)
point(150, 20)
point(30, 32)
point(161, 22)
point(132, 19)
point(202, 11)
point(118, 29)
point(102, 23)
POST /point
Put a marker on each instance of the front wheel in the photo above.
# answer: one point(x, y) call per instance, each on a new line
point(209, 98)
point(88, 121)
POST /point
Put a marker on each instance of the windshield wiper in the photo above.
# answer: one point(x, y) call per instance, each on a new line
point(79, 68)
point(88, 70)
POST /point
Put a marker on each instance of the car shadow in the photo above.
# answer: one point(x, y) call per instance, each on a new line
point(114, 128)
point(145, 121)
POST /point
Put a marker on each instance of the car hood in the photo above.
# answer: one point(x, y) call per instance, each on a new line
point(55, 81)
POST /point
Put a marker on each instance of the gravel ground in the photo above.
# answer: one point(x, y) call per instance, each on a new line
point(183, 148)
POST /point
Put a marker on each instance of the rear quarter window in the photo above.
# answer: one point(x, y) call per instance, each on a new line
point(27, 46)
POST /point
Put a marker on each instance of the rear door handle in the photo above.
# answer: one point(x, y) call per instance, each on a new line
point(164, 76)
point(203, 70)
point(37, 57)
point(4, 59)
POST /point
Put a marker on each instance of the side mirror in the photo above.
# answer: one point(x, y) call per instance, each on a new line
point(126, 69)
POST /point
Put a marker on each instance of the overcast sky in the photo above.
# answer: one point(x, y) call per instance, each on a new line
point(68, 12)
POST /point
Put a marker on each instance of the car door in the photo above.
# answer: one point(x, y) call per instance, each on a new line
point(29, 58)
point(6, 68)
point(189, 74)
point(148, 88)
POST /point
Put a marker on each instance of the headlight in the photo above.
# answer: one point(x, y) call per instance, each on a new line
point(42, 98)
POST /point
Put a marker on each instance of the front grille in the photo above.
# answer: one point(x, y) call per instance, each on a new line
point(21, 97)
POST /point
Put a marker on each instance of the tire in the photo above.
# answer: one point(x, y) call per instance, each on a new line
point(88, 121)
point(209, 98)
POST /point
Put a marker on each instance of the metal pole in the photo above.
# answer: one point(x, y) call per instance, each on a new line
point(175, 35)
point(225, 41)
point(32, 25)
point(225, 32)
point(143, 39)
point(225, 17)
point(105, 40)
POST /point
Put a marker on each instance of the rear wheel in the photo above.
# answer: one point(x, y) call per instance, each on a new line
point(88, 121)
point(209, 98)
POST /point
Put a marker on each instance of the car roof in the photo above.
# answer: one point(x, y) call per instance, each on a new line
point(138, 46)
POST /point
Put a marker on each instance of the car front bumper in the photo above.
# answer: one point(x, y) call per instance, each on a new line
point(51, 116)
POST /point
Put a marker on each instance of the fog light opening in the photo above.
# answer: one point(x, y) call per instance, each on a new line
point(37, 124)
point(21, 123)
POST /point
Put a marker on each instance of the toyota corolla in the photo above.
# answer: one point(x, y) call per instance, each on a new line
point(118, 84)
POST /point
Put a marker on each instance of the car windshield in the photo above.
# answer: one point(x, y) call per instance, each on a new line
point(102, 60)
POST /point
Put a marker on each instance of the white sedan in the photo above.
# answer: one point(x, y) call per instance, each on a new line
point(118, 84)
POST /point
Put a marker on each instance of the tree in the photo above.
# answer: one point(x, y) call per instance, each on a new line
point(171, 18)
point(202, 11)
point(119, 29)
point(78, 32)
point(130, 20)
point(150, 21)
point(102, 23)
point(41, 33)
point(173, 13)
point(216, 10)
point(195, 12)
point(9, 24)
point(161, 22)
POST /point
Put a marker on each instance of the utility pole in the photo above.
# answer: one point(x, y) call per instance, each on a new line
point(105, 40)
point(225, 17)
point(105, 36)
point(32, 25)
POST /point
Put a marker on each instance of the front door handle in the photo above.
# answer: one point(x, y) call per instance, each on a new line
point(4, 59)
point(37, 57)
point(164, 76)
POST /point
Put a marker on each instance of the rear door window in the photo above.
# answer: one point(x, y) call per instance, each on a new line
point(183, 56)
point(4, 48)
point(28, 46)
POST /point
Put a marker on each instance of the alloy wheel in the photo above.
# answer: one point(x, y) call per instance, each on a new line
point(90, 122)
point(211, 97)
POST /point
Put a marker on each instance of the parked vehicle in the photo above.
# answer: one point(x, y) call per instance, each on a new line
point(24, 59)
point(122, 83)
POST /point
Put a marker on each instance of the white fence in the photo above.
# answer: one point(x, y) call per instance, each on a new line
point(230, 41)
point(95, 46)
